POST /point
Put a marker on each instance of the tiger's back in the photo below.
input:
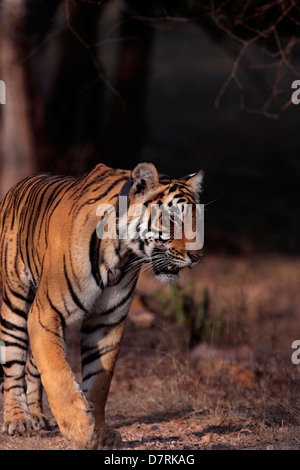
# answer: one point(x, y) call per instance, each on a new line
point(48, 207)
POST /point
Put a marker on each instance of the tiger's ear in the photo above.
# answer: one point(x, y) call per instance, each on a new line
point(195, 181)
point(144, 179)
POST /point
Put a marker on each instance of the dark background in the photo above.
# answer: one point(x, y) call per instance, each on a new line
point(187, 85)
point(121, 82)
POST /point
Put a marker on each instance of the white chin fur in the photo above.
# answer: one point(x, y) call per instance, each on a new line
point(167, 277)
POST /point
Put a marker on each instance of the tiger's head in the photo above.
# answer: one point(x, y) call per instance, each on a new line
point(159, 209)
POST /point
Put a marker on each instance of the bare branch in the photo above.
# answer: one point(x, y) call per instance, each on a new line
point(282, 56)
point(248, 27)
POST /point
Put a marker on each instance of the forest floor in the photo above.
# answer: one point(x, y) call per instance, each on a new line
point(233, 386)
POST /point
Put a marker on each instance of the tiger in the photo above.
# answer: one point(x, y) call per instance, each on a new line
point(56, 271)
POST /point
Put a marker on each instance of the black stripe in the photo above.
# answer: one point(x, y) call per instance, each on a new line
point(8, 344)
point(48, 214)
point(96, 180)
point(37, 210)
point(29, 203)
point(98, 353)
point(15, 310)
point(119, 304)
point(5, 260)
point(36, 376)
point(115, 183)
point(7, 389)
point(28, 300)
point(92, 329)
point(61, 317)
point(73, 295)
point(12, 363)
point(94, 258)
point(58, 335)
point(30, 376)
point(88, 376)
point(102, 195)
point(11, 326)
point(165, 179)
point(89, 329)
point(173, 188)
point(91, 358)
point(18, 377)
point(25, 341)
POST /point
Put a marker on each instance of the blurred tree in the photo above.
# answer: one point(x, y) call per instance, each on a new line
point(16, 132)
point(74, 106)
point(127, 121)
point(58, 115)
point(21, 124)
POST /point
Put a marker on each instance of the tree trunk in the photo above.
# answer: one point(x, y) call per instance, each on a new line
point(75, 106)
point(127, 125)
point(16, 133)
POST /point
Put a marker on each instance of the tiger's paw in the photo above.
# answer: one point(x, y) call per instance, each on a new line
point(40, 423)
point(22, 426)
point(78, 426)
point(108, 438)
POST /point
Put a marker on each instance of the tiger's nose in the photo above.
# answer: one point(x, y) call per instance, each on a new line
point(194, 257)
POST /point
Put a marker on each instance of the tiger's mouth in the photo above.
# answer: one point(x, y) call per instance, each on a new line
point(169, 269)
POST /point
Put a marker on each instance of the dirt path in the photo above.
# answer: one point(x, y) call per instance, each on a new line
point(217, 396)
point(193, 431)
point(158, 403)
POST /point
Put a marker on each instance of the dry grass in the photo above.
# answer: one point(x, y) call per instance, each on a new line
point(236, 391)
point(243, 382)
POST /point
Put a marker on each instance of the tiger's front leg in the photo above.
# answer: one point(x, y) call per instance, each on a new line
point(100, 345)
point(68, 404)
